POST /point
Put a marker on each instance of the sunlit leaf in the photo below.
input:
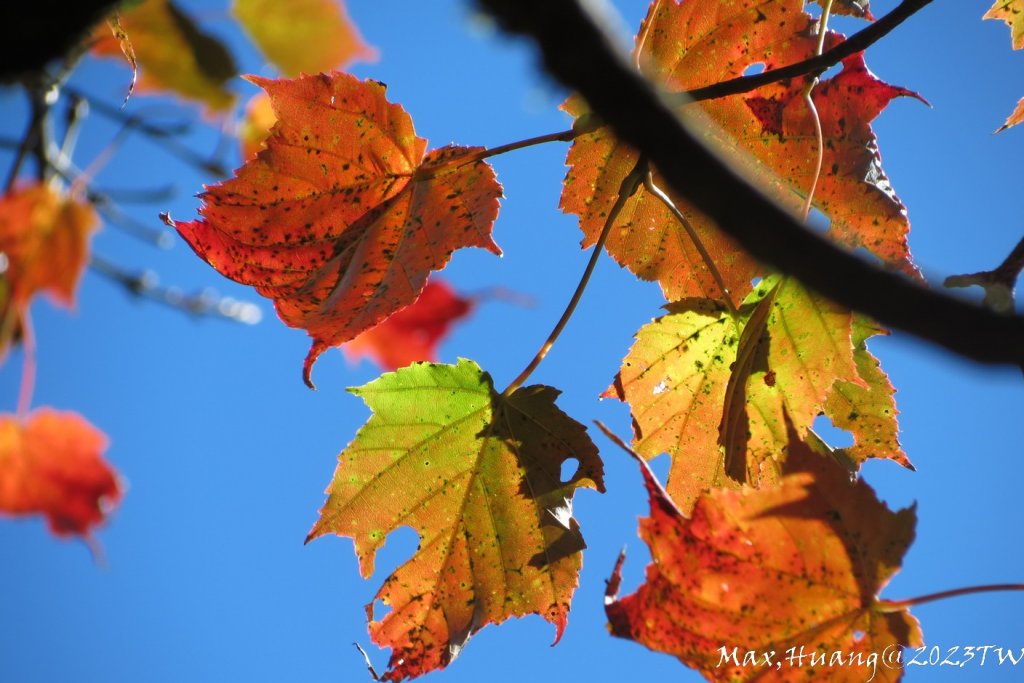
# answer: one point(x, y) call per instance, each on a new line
point(1012, 12)
point(789, 570)
point(719, 392)
point(768, 132)
point(868, 410)
point(342, 217)
point(478, 476)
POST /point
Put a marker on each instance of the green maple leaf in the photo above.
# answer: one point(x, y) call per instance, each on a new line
point(478, 476)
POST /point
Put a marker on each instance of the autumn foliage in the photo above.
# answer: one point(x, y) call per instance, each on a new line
point(51, 463)
point(762, 536)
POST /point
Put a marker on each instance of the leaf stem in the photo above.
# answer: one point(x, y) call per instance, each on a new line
point(887, 606)
point(651, 187)
point(560, 136)
point(28, 366)
point(826, 9)
point(629, 186)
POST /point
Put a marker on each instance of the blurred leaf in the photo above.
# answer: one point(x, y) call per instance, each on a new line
point(302, 36)
point(51, 463)
point(413, 333)
point(172, 53)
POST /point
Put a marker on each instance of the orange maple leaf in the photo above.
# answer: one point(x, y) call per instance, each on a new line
point(342, 217)
point(51, 463)
point(413, 333)
point(688, 44)
point(796, 568)
point(44, 237)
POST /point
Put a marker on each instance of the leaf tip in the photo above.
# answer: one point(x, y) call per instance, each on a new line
point(614, 582)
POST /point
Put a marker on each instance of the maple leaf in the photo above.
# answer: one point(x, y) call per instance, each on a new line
point(51, 463)
point(302, 36)
point(172, 53)
point(868, 410)
point(719, 392)
point(1012, 12)
point(794, 568)
point(694, 43)
point(44, 245)
point(413, 333)
point(478, 476)
point(343, 216)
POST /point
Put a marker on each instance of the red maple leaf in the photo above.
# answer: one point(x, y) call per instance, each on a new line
point(414, 333)
point(51, 463)
point(342, 217)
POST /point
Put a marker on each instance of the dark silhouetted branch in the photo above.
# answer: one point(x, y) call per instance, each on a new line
point(579, 53)
point(999, 283)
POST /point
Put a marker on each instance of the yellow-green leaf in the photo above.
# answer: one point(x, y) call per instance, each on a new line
point(302, 36)
point(172, 53)
point(478, 476)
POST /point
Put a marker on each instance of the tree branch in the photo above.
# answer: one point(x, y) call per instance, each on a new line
point(579, 53)
point(999, 283)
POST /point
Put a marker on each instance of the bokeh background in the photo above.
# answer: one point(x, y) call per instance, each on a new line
point(226, 453)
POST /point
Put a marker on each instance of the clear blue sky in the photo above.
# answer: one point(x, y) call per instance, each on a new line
point(226, 453)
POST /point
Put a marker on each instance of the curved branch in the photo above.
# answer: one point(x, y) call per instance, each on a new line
point(641, 116)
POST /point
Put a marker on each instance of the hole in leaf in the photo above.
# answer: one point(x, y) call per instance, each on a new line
point(755, 282)
point(754, 69)
point(569, 468)
point(858, 635)
point(832, 435)
point(831, 71)
point(400, 545)
point(380, 610)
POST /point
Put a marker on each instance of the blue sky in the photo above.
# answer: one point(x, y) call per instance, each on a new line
point(226, 453)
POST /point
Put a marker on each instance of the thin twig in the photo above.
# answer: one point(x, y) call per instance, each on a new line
point(629, 186)
point(651, 187)
point(886, 606)
point(560, 136)
point(162, 136)
point(205, 303)
point(28, 141)
point(642, 118)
